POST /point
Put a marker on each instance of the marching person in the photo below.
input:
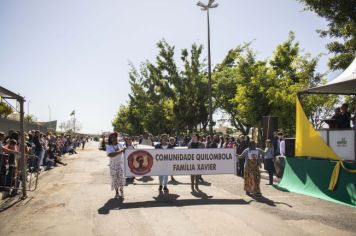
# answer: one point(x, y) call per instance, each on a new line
point(194, 143)
point(129, 146)
point(116, 153)
point(172, 145)
point(163, 179)
point(252, 175)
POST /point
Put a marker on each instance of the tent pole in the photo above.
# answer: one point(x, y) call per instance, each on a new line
point(22, 149)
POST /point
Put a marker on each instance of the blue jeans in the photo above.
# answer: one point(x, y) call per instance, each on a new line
point(163, 179)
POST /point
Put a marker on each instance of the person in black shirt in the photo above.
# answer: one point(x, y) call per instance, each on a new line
point(194, 143)
point(345, 117)
point(336, 119)
point(172, 145)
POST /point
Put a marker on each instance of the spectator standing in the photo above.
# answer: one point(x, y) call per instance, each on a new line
point(38, 147)
point(269, 164)
point(275, 142)
point(282, 144)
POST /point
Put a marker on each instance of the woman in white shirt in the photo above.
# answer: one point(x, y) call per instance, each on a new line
point(116, 151)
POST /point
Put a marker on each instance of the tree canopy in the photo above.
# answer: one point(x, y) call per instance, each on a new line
point(341, 17)
point(167, 98)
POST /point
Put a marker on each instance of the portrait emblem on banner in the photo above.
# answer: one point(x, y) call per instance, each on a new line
point(140, 162)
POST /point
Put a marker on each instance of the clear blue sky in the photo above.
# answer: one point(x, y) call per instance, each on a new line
point(74, 54)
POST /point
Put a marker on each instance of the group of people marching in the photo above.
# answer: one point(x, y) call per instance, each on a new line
point(250, 158)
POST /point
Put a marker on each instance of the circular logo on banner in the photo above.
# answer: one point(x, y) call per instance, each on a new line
point(140, 162)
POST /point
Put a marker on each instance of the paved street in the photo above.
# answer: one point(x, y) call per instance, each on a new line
point(77, 200)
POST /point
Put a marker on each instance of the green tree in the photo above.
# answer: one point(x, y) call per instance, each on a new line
point(121, 122)
point(233, 90)
point(30, 118)
point(248, 89)
point(292, 72)
point(5, 109)
point(341, 17)
point(165, 99)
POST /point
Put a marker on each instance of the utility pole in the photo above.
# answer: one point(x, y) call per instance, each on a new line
point(206, 7)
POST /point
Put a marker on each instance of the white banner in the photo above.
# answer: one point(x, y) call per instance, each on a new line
point(155, 162)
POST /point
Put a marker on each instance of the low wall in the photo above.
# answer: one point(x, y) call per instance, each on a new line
point(7, 124)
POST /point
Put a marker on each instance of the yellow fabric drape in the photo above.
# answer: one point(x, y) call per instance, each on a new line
point(335, 174)
point(309, 143)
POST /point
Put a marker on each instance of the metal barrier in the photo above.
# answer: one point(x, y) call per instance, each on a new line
point(11, 174)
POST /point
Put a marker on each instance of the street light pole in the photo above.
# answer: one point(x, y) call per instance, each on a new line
point(206, 7)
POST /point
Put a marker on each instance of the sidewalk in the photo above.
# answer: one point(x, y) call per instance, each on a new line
point(264, 175)
point(6, 201)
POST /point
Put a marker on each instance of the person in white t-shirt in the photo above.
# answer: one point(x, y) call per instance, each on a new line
point(282, 144)
point(116, 151)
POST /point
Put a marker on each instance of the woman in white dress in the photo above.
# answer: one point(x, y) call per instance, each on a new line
point(116, 151)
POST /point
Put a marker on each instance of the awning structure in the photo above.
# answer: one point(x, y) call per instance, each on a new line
point(344, 84)
point(5, 93)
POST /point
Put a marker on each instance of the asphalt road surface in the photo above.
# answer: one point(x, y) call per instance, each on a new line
point(77, 200)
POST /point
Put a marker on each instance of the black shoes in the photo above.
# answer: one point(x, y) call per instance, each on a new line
point(165, 189)
point(160, 188)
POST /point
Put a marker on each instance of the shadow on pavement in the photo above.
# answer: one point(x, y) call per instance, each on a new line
point(145, 179)
point(9, 203)
point(280, 188)
point(166, 201)
point(267, 201)
point(200, 194)
point(204, 183)
point(174, 182)
point(169, 182)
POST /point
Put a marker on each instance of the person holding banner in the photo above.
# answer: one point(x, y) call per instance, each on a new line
point(172, 145)
point(163, 179)
point(252, 175)
point(194, 143)
point(116, 151)
point(129, 146)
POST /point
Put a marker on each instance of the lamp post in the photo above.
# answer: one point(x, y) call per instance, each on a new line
point(206, 7)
